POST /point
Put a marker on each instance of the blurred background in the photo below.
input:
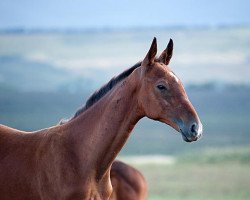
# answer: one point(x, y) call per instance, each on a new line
point(54, 54)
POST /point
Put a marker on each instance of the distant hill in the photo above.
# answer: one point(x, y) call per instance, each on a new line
point(24, 75)
point(31, 76)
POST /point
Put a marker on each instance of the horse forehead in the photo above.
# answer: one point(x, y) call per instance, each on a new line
point(161, 71)
point(174, 76)
point(170, 73)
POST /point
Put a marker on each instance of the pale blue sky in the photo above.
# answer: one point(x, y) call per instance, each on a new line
point(123, 13)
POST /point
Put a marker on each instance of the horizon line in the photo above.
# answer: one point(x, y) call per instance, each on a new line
point(23, 29)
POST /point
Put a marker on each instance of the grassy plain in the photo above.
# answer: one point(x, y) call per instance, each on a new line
point(214, 174)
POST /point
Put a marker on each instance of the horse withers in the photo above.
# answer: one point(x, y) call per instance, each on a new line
point(73, 160)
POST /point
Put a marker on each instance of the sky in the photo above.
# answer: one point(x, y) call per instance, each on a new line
point(46, 14)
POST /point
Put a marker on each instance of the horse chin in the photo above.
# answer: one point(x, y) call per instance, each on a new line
point(184, 137)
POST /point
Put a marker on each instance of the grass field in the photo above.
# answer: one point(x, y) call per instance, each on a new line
point(206, 175)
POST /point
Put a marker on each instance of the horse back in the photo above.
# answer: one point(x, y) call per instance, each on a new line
point(16, 164)
point(10, 140)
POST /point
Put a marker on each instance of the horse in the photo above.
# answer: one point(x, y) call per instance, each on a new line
point(73, 160)
point(127, 182)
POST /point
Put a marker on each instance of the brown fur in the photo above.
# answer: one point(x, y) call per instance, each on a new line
point(73, 160)
point(128, 183)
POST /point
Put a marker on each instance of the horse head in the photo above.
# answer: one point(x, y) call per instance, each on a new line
point(162, 96)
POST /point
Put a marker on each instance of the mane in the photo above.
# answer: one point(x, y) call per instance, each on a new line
point(98, 94)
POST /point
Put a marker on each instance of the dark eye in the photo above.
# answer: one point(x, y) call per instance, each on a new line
point(161, 87)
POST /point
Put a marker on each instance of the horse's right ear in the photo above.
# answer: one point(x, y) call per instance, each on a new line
point(150, 57)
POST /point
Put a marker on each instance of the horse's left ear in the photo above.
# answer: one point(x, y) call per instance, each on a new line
point(166, 55)
point(150, 57)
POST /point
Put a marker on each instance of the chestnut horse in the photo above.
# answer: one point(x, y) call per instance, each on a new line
point(73, 160)
point(127, 182)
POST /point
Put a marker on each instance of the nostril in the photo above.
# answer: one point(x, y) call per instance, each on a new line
point(194, 128)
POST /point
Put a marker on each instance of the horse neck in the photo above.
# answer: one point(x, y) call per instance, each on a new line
point(101, 131)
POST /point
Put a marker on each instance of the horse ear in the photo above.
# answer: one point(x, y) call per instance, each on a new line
point(150, 57)
point(166, 55)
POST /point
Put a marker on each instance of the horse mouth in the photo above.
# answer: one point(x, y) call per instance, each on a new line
point(186, 139)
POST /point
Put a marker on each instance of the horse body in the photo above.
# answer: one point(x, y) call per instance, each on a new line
point(55, 161)
point(36, 165)
point(127, 182)
point(73, 160)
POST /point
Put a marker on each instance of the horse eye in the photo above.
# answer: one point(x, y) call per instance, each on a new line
point(161, 87)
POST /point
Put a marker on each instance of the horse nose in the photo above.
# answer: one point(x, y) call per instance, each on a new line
point(195, 131)
point(191, 131)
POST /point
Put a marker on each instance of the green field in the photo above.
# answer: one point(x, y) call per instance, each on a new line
point(217, 174)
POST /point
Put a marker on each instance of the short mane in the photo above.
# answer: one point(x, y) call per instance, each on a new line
point(98, 94)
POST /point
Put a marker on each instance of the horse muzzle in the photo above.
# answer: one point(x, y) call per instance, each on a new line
point(191, 132)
